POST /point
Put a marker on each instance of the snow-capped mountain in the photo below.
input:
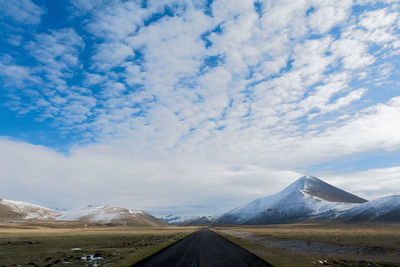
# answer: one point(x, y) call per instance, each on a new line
point(18, 210)
point(176, 219)
point(381, 209)
point(189, 220)
point(15, 211)
point(307, 198)
point(107, 214)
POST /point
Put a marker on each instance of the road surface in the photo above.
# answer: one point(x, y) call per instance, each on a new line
point(203, 248)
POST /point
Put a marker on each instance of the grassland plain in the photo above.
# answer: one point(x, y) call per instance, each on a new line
point(75, 244)
point(320, 244)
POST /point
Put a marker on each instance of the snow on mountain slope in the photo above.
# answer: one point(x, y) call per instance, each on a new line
point(189, 220)
point(107, 214)
point(306, 198)
point(18, 210)
point(320, 189)
point(97, 213)
point(177, 219)
point(381, 209)
point(11, 210)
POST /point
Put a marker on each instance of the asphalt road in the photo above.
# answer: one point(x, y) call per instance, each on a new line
point(203, 248)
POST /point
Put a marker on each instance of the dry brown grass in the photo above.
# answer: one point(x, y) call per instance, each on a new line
point(385, 235)
point(41, 244)
point(377, 243)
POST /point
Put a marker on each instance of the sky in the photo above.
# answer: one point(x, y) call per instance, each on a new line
point(196, 106)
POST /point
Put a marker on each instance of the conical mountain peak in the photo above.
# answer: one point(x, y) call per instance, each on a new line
point(305, 198)
point(315, 187)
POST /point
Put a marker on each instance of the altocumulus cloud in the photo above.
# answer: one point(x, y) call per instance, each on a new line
point(195, 106)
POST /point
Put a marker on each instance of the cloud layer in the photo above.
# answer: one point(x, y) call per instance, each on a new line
point(201, 94)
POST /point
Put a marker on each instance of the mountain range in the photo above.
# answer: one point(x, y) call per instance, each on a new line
point(311, 199)
point(189, 220)
point(17, 211)
point(307, 199)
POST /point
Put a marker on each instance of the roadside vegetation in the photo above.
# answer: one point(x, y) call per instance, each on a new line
point(77, 244)
point(82, 245)
point(320, 244)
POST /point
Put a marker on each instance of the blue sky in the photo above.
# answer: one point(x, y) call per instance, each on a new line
point(164, 100)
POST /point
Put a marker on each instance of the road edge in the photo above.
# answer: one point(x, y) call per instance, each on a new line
point(231, 239)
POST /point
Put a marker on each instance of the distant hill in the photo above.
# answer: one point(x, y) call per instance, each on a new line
point(386, 209)
point(111, 215)
point(189, 220)
point(18, 210)
point(305, 199)
point(14, 211)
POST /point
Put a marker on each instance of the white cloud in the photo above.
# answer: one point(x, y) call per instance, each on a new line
point(23, 11)
point(111, 55)
point(57, 55)
point(84, 6)
point(116, 21)
point(17, 76)
point(329, 14)
point(353, 53)
point(200, 94)
point(158, 184)
point(373, 20)
point(171, 71)
point(93, 79)
point(370, 184)
point(59, 49)
point(347, 99)
point(371, 129)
